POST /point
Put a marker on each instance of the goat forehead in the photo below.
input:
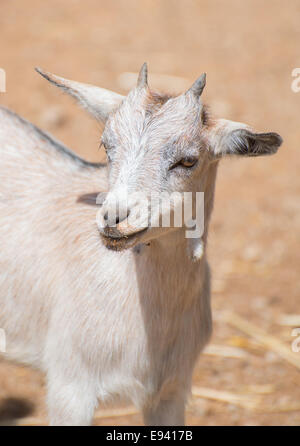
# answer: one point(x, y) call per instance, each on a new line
point(141, 124)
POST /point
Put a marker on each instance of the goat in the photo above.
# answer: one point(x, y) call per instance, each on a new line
point(107, 310)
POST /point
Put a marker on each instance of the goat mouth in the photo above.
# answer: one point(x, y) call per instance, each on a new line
point(124, 242)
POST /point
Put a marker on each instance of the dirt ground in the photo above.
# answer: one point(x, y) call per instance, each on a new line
point(248, 49)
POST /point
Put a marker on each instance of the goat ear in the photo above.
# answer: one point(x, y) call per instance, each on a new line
point(97, 101)
point(234, 138)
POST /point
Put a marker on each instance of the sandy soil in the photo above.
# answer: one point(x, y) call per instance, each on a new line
point(248, 50)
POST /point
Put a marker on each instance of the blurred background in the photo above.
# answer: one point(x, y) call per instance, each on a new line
point(249, 375)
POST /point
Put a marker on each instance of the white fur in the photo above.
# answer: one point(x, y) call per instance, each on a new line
point(104, 324)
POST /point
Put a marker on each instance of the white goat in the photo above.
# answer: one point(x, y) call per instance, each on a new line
point(100, 316)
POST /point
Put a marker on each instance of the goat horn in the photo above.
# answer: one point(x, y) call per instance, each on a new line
point(143, 77)
point(198, 85)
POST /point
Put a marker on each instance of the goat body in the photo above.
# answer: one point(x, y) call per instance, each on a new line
point(101, 324)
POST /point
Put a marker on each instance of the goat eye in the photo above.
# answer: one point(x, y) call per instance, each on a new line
point(185, 162)
point(188, 162)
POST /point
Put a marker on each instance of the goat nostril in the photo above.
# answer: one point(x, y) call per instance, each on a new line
point(121, 218)
point(115, 219)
